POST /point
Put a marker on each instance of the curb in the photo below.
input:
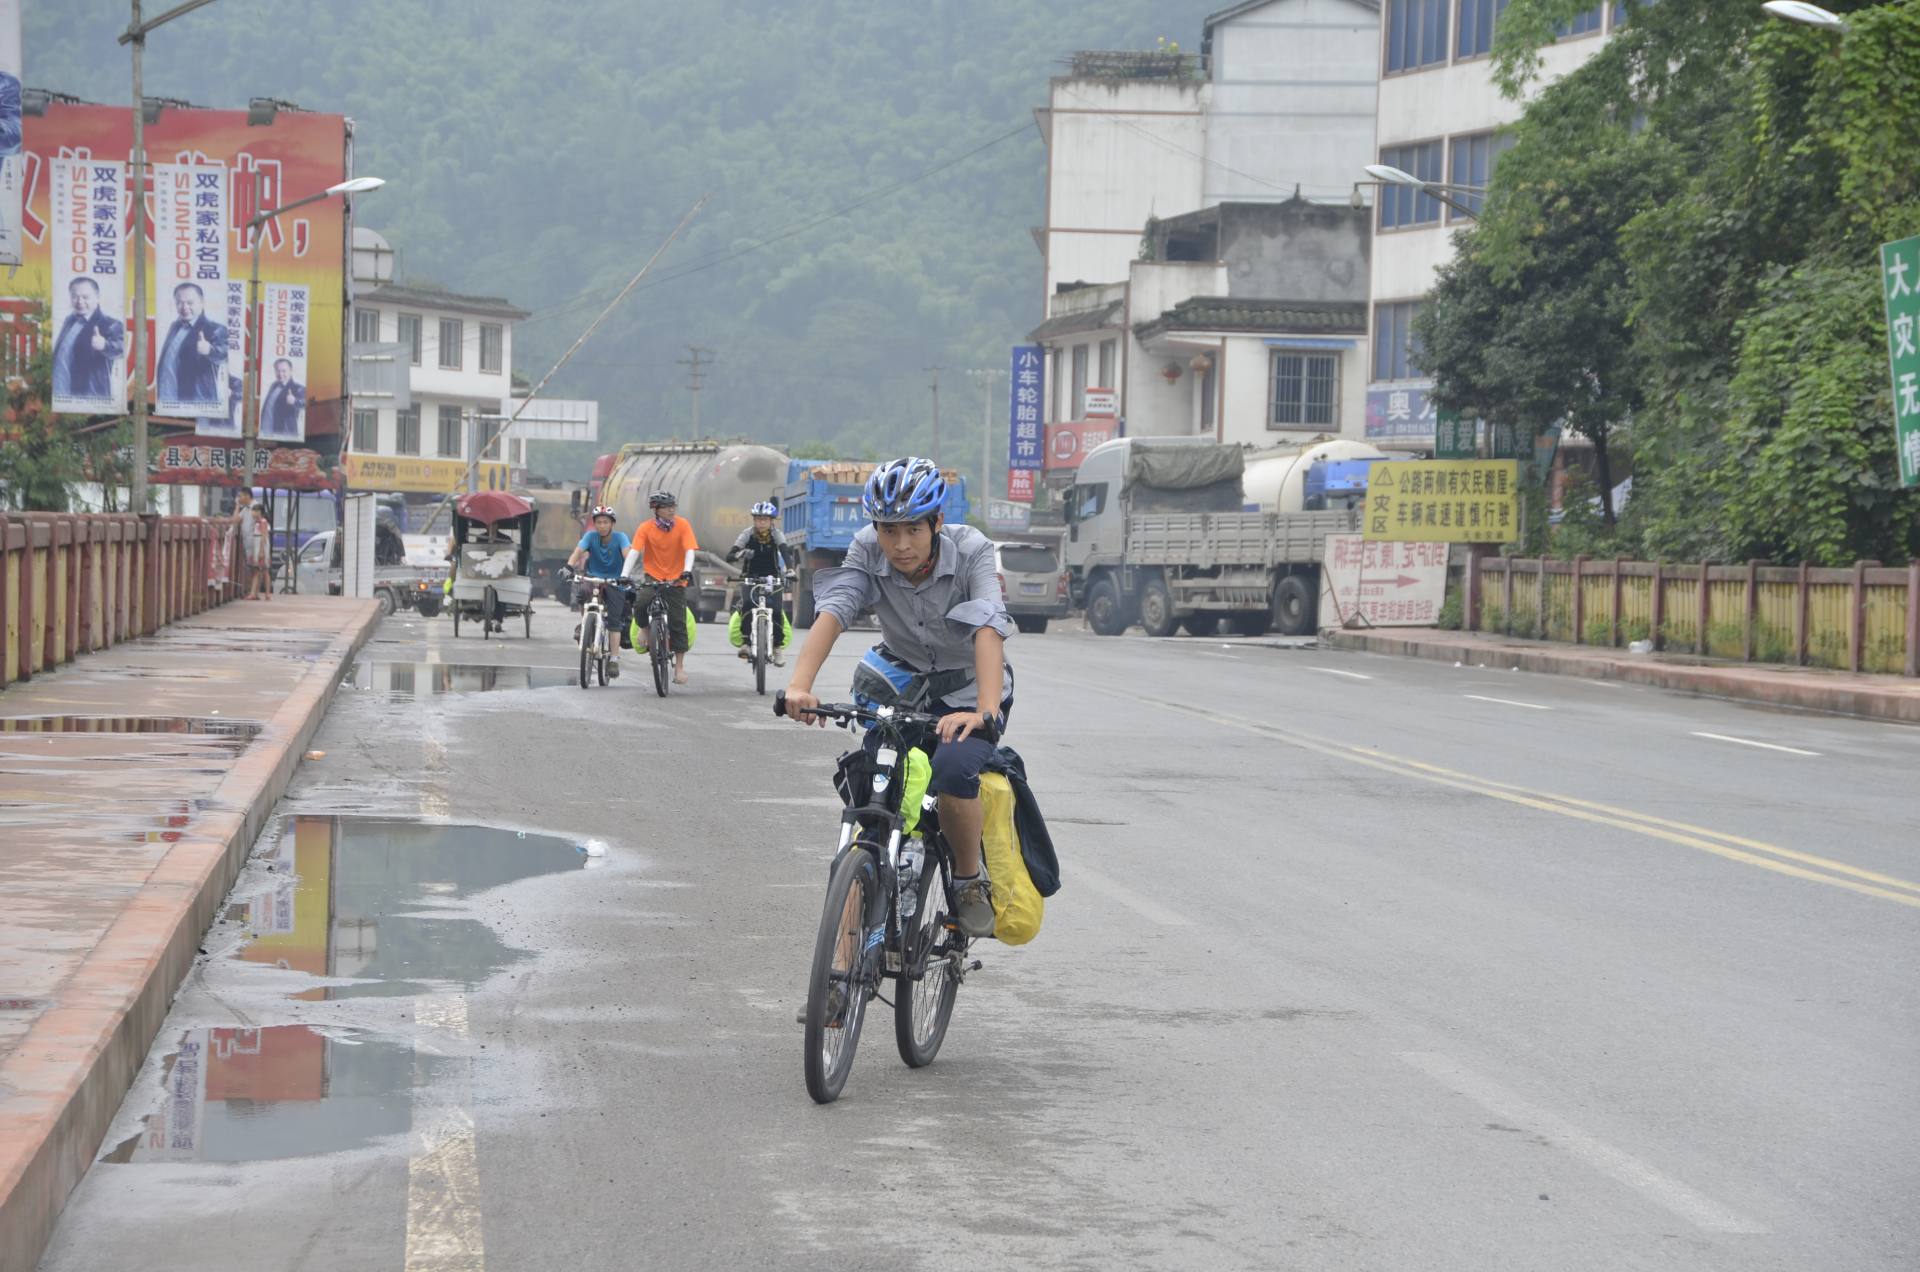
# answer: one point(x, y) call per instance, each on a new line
point(1791, 688)
point(79, 1059)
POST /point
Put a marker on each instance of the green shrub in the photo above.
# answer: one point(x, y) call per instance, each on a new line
point(1636, 629)
point(1492, 617)
point(1452, 611)
point(1599, 631)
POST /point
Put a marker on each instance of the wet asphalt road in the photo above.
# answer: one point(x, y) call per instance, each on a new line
point(1359, 964)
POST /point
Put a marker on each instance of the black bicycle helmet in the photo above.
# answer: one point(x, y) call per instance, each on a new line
point(662, 499)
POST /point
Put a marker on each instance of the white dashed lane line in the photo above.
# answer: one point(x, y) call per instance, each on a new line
point(1765, 746)
point(1506, 702)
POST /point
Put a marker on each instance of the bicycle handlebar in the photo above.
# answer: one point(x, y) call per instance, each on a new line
point(848, 713)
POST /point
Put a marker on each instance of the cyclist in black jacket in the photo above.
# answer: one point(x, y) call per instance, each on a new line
point(767, 555)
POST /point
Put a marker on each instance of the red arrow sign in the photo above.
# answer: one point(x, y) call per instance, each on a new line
point(1405, 580)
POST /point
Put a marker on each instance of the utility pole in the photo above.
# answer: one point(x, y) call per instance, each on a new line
point(696, 362)
point(139, 314)
point(136, 35)
point(988, 378)
point(935, 386)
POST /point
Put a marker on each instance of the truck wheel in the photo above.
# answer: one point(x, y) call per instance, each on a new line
point(1156, 609)
point(1201, 624)
point(1250, 623)
point(387, 603)
point(1104, 613)
point(1293, 606)
point(429, 606)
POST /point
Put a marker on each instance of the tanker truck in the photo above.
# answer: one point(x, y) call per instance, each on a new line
point(1172, 532)
point(717, 484)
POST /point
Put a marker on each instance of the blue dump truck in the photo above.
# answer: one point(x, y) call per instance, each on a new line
point(820, 512)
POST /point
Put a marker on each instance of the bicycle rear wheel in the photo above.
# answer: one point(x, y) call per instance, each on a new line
point(922, 1008)
point(589, 642)
point(841, 978)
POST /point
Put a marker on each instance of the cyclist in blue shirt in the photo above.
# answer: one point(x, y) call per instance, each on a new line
point(603, 550)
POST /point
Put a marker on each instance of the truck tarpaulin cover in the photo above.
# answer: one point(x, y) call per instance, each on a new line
point(1184, 467)
point(1186, 478)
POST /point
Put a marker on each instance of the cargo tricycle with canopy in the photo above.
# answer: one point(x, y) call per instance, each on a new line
point(492, 559)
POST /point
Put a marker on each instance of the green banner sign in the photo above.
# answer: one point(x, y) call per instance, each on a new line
point(1453, 437)
point(1900, 276)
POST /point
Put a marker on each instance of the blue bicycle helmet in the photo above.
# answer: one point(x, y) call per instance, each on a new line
point(765, 509)
point(909, 489)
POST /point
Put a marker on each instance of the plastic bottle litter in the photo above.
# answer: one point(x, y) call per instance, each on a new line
point(1640, 647)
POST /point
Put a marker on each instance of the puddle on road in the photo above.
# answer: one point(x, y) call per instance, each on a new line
point(355, 899)
point(417, 679)
point(236, 1095)
point(230, 733)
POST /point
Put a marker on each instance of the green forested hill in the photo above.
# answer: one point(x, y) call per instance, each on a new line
point(539, 149)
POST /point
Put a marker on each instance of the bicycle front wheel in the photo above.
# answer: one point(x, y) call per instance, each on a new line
point(589, 642)
point(761, 640)
point(660, 649)
point(922, 1007)
point(841, 978)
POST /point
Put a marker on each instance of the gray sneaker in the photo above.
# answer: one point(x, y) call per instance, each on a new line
point(975, 902)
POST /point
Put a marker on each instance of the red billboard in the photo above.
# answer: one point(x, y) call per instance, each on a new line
point(1020, 485)
point(265, 165)
point(1068, 444)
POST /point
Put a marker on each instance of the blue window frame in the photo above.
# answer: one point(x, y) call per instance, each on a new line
point(1416, 34)
point(1402, 206)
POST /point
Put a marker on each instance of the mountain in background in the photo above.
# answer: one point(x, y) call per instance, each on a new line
point(541, 151)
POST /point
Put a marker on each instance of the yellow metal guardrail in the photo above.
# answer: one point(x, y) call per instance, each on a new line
point(1863, 618)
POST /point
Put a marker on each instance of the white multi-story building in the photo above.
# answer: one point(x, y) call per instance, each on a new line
point(1441, 117)
point(1246, 322)
point(1278, 105)
point(1204, 257)
point(456, 353)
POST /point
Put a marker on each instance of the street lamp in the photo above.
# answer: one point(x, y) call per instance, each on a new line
point(251, 416)
point(1806, 14)
point(136, 35)
point(1386, 174)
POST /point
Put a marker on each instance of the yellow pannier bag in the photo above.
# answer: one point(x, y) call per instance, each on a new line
point(1017, 905)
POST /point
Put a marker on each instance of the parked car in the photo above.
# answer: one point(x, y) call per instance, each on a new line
point(1035, 585)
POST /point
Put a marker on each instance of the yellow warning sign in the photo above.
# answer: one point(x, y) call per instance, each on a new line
point(1444, 501)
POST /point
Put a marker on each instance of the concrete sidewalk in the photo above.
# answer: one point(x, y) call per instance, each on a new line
point(132, 784)
point(1800, 688)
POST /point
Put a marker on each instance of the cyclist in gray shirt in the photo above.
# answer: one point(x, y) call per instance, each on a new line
point(943, 620)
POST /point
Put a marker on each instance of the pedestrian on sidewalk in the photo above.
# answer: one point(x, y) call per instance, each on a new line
point(255, 540)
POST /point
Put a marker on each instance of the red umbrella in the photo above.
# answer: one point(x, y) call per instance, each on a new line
point(489, 506)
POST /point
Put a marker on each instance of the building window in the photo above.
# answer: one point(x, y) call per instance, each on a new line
point(366, 325)
point(1583, 23)
point(1396, 354)
point(452, 333)
point(366, 431)
point(1474, 36)
point(1209, 394)
point(1109, 351)
point(1301, 388)
point(1053, 386)
point(1402, 206)
point(407, 432)
point(1079, 399)
point(1416, 34)
point(450, 432)
point(410, 336)
point(493, 347)
point(1472, 163)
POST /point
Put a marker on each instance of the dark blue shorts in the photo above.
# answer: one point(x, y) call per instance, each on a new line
point(957, 765)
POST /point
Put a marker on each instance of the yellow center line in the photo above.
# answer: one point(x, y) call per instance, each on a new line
point(1731, 847)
